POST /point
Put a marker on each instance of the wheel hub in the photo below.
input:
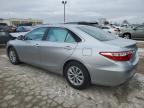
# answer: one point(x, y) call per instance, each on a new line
point(75, 75)
point(12, 56)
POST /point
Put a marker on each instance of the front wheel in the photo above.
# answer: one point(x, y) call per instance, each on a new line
point(13, 57)
point(77, 75)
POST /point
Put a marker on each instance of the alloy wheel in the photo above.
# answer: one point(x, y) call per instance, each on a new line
point(12, 56)
point(75, 75)
point(126, 36)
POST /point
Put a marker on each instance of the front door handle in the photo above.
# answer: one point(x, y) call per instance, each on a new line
point(68, 47)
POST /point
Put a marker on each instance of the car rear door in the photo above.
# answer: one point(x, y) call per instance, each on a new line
point(57, 47)
point(29, 48)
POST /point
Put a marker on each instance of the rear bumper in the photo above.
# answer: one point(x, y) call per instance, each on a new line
point(111, 76)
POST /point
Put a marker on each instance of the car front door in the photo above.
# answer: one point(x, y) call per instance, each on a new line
point(57, 47)
point(138, 32)
point(29, 48)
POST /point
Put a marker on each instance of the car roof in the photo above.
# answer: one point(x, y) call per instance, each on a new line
point(24, 26)
point(62, 25)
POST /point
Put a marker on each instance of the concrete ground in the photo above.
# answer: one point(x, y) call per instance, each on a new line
point(141, 53)
point(140, 44)
point(25, 86)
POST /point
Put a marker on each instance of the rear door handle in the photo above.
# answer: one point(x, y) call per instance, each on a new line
point(68, 47)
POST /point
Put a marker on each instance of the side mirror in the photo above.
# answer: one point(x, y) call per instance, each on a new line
point(21, 37)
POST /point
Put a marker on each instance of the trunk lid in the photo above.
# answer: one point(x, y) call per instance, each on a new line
point(130, 45)
point(123, 43)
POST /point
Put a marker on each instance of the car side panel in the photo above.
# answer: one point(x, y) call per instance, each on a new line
point(28, 52)
point(53, 54)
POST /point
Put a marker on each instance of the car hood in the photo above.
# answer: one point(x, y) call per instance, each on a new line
point(124, 43)
point(17, 34)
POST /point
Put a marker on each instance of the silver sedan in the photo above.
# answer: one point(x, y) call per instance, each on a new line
point(82, 54)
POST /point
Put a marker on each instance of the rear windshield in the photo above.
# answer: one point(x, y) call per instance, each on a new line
point(97, 33)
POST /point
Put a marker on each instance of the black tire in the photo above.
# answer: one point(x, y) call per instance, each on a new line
point(127, 36)
point(16, 61)
point(85, 82)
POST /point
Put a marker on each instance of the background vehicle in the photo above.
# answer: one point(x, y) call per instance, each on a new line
point(15, 35)
point(133, 33)
point(3, 26)
point(12, 29)
point(111, 29)
point(23, 29)
point(83, 54)
point(5, 37)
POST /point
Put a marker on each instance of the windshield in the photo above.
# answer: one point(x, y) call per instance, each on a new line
point(97, 33)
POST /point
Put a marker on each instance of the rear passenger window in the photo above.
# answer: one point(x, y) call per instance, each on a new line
point(57, 35)
point(70, 38)
point(36, 34)
point(140, 28)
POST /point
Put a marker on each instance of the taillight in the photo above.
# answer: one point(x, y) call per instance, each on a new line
point(118, 56)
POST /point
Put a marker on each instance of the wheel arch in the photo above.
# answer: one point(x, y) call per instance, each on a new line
point(10, 46)
point(73, 60)
point(127, 33)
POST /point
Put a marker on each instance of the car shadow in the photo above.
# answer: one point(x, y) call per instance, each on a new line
point(129, 86)
point(121, 93)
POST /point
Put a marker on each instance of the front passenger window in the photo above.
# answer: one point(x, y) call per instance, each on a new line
point(36, 34)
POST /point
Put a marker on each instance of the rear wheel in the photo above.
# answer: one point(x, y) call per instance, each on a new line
point(77, 75)
point(13, 57)
point(127, 36)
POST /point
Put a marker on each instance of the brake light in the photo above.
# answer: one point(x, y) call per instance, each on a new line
point(118, 56)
